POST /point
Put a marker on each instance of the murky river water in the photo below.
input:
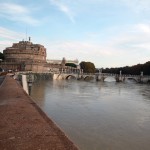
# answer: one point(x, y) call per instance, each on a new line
point(96, 115)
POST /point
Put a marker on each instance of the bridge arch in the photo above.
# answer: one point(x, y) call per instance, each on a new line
point(109, 77)
point(68, 76)
point(131, 78)
point(88, 77)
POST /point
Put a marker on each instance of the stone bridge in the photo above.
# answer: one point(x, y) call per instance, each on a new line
point(88, 76)
point(120, 77)
point(66, 76)
point(101, 77)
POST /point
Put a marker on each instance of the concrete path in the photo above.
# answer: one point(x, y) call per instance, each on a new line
point(24, 126)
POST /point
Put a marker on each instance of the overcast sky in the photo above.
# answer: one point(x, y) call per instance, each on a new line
point(109, 33)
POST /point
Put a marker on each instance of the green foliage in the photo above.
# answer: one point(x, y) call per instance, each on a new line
point(71, 65)
point(133, 70)
point(87, 67)
point(1, 56)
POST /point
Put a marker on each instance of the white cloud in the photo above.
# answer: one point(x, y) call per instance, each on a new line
point(7, 37)
point(74, 48)
point(12, 8)
point(137, 6)
point(129, 47)
point(9, 34)
point(63, 8)
point(17, 13)
point(125, 47)
point(143, 28)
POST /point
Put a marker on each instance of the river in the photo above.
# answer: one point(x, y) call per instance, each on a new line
point(98, 115)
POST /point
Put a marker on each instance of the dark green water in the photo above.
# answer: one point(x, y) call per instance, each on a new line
point(98, 116)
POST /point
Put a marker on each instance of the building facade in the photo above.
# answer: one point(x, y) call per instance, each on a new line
point(58, 65)
point(25, 56)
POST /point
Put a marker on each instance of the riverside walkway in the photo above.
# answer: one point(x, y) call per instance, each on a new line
point(23, 125)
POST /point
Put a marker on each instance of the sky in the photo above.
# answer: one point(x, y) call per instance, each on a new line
point(109, 33)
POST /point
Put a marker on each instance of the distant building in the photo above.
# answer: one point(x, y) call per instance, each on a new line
point(56, 61)
point(25, 56)
point(56, 65)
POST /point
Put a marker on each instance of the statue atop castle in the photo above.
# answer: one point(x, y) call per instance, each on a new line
point(63, 62)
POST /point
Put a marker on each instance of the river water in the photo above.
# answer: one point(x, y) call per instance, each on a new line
point(98, 115)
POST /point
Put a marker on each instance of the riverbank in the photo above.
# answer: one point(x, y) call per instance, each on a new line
point(23, 125)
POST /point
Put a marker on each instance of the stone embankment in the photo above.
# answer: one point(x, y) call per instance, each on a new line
point(23, 125)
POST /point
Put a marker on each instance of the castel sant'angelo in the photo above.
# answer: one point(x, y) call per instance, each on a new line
point(25, 56)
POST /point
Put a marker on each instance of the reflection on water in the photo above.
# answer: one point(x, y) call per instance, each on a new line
point(96, 115)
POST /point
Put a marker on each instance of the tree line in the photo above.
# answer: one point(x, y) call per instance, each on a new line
point(89, 67)
point(133, 70)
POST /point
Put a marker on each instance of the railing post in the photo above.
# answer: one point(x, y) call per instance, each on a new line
point(141, 77)
point(120, 73)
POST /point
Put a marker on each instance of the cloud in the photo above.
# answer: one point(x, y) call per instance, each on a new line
point(63, 8)
point(78, 48)
point(145, 28)
point(17, 13)
point(81, 50)
point(7, 37)
point(9, 34)
point(127, 46)
point(131, 46)
point(137, 6)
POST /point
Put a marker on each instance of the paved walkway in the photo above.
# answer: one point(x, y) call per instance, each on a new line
point(23, 126)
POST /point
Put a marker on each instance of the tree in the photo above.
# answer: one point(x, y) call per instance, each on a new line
point(1, 56)
point(146, 68)
point(87, 67)
point(133, 70)
point(71, 65)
